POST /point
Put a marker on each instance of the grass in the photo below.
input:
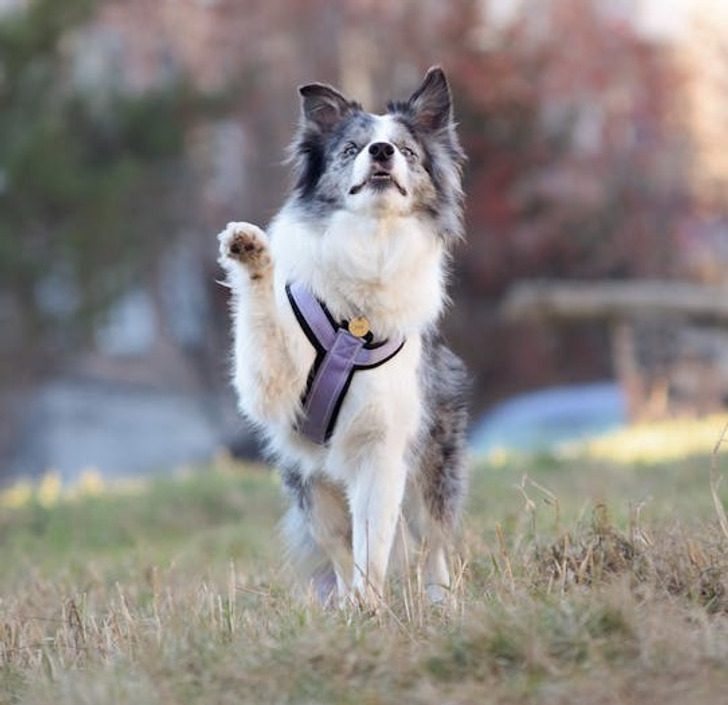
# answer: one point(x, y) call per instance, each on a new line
point(579, 580)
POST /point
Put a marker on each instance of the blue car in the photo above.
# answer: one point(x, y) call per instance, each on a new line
point(543, 421)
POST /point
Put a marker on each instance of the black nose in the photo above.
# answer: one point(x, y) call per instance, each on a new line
point(381, 151)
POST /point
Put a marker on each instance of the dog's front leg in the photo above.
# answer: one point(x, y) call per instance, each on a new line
point(264, 372)
point(375, 498)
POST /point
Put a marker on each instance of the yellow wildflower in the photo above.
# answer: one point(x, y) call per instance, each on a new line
point(49, 489)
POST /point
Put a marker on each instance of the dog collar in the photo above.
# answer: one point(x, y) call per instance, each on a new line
point(339, 354)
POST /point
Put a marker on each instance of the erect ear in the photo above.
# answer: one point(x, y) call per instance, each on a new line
point(323, 106)
point(430, 104)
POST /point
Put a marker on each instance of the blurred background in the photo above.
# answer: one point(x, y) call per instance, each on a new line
point(132, 131)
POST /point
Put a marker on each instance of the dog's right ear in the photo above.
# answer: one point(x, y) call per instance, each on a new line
point(323, 106)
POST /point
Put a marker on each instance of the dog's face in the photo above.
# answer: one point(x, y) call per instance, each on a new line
point(406, 162)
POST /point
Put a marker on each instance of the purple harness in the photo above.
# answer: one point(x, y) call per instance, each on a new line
point(339, 354)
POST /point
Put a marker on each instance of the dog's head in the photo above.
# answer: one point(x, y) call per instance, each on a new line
point(405, 162)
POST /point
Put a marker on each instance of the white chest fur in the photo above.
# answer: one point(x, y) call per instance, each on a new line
point(389, 269)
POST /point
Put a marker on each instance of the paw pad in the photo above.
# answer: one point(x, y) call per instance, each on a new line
point(245, 244)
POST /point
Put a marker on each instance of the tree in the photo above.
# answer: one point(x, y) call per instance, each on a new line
point(81, 189)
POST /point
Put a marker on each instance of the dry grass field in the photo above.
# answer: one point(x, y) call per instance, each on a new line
point(578, 581)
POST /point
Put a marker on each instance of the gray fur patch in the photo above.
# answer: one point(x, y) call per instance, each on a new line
point(440, 452)
point(333, 184)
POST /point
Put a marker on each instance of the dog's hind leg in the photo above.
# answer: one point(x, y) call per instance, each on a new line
point(318, 530)
point(435, 536)
point(431, 535)
point(441, 475)
point(330, 526)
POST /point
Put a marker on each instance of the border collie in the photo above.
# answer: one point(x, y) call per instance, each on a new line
point(337, 356)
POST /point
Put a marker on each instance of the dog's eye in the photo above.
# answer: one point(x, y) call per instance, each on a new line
point(407, 152)
point(351, 150)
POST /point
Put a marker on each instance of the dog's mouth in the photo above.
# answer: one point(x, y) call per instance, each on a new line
point(379, 180)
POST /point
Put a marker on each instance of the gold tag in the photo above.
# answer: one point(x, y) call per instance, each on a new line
point(359, 326)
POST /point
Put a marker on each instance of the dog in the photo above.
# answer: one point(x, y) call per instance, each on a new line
point(367, 420)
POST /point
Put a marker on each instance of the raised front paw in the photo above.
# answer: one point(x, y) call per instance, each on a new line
point(246, 244)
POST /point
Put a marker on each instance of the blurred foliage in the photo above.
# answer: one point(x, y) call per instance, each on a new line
point(579, 167)
point(582, 153)
point(80, 178)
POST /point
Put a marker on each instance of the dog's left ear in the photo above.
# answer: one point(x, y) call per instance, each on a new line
point(323, 106)
point(431, 103)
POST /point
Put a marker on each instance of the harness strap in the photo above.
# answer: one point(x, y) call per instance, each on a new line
point(339, 354)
